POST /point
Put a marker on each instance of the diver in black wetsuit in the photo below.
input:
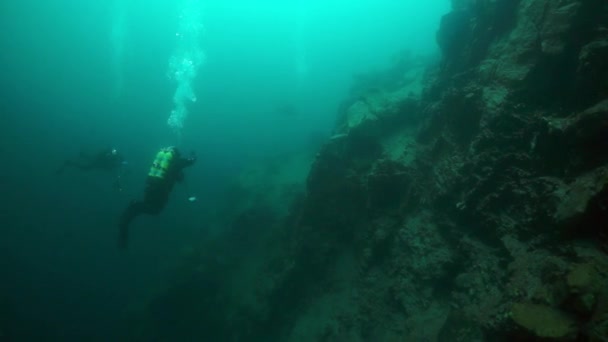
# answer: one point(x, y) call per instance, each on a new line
point(108, 159)
point(166, 170)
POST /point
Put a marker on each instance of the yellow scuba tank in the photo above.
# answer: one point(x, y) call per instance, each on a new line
point(161, 163)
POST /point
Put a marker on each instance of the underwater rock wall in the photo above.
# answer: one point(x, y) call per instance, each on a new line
point(459, 204)
point(464, 208)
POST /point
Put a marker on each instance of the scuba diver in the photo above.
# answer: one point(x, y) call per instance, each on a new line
point(166, 170)
point(108, 160)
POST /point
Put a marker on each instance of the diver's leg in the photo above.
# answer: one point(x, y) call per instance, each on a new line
point(156, 206)
point(84, 165)
point(76, 164)
point(134, 209)
point(156, 196)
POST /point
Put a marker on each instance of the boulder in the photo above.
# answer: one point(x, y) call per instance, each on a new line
point(544, 322)
point(558, 18)
point(592, 70)
point(574, 199)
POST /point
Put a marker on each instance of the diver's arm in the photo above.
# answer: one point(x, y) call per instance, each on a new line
point(181, 164)
point(185, 162)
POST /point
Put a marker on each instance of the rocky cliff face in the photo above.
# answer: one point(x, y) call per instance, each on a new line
point(463, 202)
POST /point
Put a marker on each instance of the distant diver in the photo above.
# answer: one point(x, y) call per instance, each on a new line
point(166, 170)
point(108, 159)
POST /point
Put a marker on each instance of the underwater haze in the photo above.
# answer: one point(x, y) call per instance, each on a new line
point(246, 81)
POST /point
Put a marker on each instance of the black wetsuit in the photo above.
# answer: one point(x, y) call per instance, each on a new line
point(156, 195)
point(104, 160)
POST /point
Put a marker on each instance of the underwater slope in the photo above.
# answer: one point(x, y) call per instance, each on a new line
point(467, 202)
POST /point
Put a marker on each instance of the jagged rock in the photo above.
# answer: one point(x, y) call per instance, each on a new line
point(598, 325)
point(587, 127)
point(582, 278)
point(583, 283)
point(425, 253)
point(458, 328)
point(582, 149)
point(375, 109)
point(494, 98)
point(512, 59)
point(578, 144)
point(556, 21)
point(544, 322)
point(542, 28)
point(360, 113)
point(587, 285)
point(455, 31)
point(387, 184)
point(592, 71)
point(371, 112)
point(428, 324)
point(468, 31)
point(575, 197)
